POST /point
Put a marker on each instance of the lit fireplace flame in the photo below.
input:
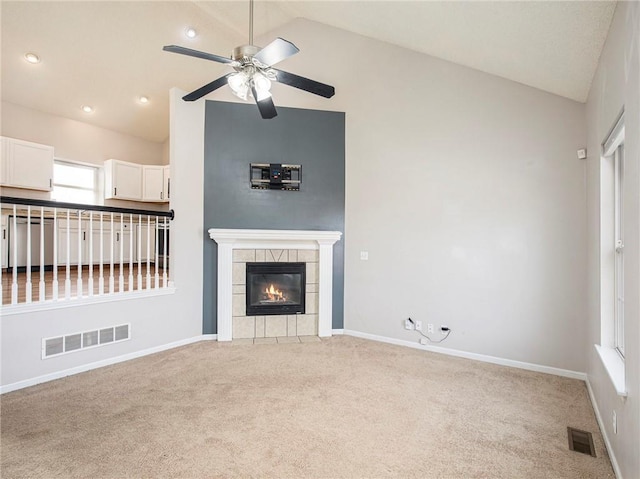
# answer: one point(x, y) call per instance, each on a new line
point(274, 294)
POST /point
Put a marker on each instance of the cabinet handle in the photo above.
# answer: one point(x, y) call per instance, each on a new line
point(161, 195)
point(168, 188)
point(84, 236)
point(4, 234)
point(115, 191)
point(117, 236)
point(50, 183)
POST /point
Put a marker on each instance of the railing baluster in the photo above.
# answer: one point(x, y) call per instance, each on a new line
point(54, 284)
point(1, 253)
point(139, 233)
point(164, 255)
point(41, 285)
point(14, 283)
point(157, 276)
point(90, 261)
point(29, 249)
point(80, 232)
point(111, 281)
point(67, 279)
point(121, 241)
point(28, 285)
point(148, 252)
point(130, 252)
point(101, 278)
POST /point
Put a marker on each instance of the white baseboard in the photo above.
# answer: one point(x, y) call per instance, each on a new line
point(99, 364)
point(603, 431)
point(213, 337)
point(475, 356)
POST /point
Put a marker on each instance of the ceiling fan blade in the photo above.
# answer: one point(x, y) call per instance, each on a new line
point(305, 84)
point(196, 53)
point(265, 105)
point(278, 50)
point(208, 88)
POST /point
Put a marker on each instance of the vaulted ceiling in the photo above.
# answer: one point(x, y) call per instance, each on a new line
point(107, 54)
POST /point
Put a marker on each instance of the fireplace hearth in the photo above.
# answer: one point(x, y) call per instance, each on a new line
point(275, 288)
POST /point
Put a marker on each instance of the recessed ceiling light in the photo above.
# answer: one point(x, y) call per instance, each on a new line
point(191, 32)
point(143, 99)
point(32, 57)
point(87, 109)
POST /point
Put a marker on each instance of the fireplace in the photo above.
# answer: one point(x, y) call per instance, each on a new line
point(237, 247)
point(275, 288)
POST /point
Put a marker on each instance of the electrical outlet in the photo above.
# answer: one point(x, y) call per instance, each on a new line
point(429, 328)
point(407, 324)
point(615, 423)
point(418, 325)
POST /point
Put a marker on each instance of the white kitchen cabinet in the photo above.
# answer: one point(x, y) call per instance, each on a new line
point(141, 232)
point(4, 160)
point(26, 165)
point(73, 250)
point(4, 251)
point(119, 238)
point(123, 240)
point(122, 180)
point(166, 176)
point(153, 183)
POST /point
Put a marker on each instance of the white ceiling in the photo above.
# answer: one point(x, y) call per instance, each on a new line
point(106, 54)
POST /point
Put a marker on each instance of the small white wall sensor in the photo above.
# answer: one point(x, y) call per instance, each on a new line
point(582, 154)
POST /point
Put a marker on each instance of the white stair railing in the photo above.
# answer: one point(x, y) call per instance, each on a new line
point(78, 241)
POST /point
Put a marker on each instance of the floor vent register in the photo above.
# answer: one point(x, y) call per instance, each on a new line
point(581, 441)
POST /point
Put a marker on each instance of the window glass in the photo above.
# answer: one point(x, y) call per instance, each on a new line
point(74, 175)
point(74, 183)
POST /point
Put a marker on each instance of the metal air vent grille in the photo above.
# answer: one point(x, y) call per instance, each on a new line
point(84, 340)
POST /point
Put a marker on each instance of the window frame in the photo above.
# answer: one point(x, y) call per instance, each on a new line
point(618, 283)
point(611, 348)
point(97, 176)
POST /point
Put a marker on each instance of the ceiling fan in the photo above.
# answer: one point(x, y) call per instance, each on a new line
point(254, 72)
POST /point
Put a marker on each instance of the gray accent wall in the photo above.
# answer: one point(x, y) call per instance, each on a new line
point(235, 136)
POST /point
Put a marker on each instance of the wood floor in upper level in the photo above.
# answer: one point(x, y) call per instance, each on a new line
point(21, 280)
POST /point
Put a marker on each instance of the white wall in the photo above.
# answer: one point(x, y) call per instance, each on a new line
point(155, 321)
point(617, 85)
point(75, 140)
point(466, 191)
point(78, 141)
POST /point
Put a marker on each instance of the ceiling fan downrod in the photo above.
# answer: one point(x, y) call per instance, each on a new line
point(250, 22)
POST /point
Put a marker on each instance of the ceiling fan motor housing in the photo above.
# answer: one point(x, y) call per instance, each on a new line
point(244, 51)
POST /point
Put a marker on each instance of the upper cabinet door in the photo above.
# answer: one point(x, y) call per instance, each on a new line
point(167, 182)
point(152, 180)
point(26, 165)
point(122, 180)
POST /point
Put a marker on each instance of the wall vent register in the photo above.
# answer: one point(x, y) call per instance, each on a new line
point(275, 176)
point(88, 339)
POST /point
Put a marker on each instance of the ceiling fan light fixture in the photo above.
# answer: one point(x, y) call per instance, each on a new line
point(261, 82)
point(239, 83)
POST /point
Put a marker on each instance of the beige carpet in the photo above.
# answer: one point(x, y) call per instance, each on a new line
point(343, 407)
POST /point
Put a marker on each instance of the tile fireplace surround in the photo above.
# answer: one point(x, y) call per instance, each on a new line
point(230, 240)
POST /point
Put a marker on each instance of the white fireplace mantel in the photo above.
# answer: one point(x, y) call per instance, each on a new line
point(230, 239)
